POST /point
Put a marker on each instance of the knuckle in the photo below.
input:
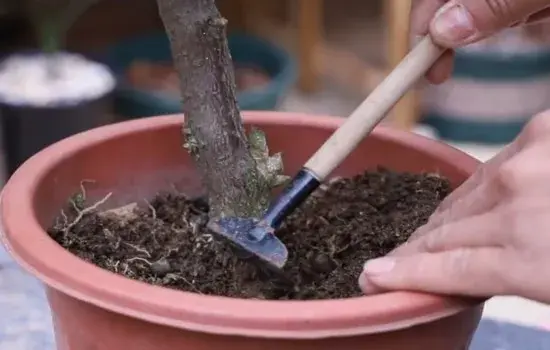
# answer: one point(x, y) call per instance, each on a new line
point(508, 179)
point(433, 242)
point(500, 9)
point(519, 228)
point(537, 129)
point(462, 264)
point(458, 263)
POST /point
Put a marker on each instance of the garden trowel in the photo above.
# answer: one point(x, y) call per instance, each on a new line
point(256, 235)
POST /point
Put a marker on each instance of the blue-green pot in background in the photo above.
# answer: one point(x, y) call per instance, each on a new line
point(496, 87)
point(132, 102)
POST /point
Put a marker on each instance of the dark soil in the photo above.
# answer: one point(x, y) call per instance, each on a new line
point(329, 238)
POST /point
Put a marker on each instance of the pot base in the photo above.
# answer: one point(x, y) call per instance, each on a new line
point(81, 326)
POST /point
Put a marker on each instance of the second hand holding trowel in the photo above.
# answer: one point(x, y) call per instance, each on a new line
point(256, 235)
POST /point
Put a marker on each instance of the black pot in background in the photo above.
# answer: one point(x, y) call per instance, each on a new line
point(28, 129)
point(16, 29)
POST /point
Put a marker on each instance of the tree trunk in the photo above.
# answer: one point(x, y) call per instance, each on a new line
point(237, 171)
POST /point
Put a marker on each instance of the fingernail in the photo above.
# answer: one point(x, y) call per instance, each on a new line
point(379, 266)
point(367, 287)
point(453, 23)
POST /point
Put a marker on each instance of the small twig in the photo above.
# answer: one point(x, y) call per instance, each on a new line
point(141, 250)
point(65, 218)
point(153, 211)
point(111, 236)
point(108, 232)
point(75, 206)
point(176, 277)
point(180, 192)
point(83, 189)
point(137, 258)
point(85, 211)
point(342, 249)
point(324, 220)
point(117, 244)
point(332, 246)
point(170, 251)
point(154, 236)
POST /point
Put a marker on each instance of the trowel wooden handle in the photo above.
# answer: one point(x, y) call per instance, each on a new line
point(375, 107)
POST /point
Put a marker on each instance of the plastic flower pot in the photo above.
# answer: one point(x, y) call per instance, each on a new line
point(133, 102)
point(96, 309)
point(497, 85)
point(30, 122)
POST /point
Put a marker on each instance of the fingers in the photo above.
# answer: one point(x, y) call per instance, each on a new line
point(422, 13)
point(539, 16)
point(442, 69)
point(485, 230)
point(460, 22)
point(478, 201)
point(515, 168)
point(481, 231)
point(479, 185)
point(483, 172)
point(527, 173)
point(455, 23)
point(469, 271)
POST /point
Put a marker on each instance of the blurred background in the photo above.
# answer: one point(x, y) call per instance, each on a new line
point(297, 55)
point(310, 56)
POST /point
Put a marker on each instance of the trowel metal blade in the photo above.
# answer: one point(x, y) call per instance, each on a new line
point(238, 230)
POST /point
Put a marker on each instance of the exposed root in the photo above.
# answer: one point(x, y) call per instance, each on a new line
point(179, 192)
point(65, 218)
point(82, 212)
point(77, 204)
point(138, 249)
point(153, 211)
point(83, 188)
point(79, 199)
point(172, 276)
point(137, 258)
point(108, 233)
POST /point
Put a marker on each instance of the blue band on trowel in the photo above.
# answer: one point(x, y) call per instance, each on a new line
point(294, 194)
point(256, 235)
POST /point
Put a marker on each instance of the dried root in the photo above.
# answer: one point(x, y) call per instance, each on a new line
point(82, 212)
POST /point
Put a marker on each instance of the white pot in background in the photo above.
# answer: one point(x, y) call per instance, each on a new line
point(44, 99)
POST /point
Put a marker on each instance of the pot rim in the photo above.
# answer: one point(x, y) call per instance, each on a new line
point(30, 246)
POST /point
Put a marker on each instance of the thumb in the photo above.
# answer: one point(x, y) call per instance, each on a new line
point(470, 272)
point(460, 22)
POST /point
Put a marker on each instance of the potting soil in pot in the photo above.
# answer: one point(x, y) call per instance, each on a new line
point(329, 238)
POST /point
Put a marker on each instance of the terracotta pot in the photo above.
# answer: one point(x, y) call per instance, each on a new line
point(96, 309)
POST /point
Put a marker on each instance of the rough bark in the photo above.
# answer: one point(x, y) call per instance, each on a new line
point(237, 171)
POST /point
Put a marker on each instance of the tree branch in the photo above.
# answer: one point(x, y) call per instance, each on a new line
point(238, 175)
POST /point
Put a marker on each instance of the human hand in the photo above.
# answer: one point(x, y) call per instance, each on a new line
point(491, 236)
point(454, 23)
